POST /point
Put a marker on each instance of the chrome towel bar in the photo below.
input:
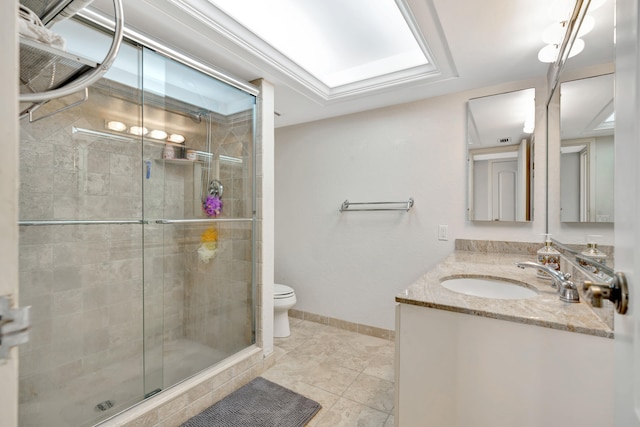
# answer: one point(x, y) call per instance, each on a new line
point(348, 206)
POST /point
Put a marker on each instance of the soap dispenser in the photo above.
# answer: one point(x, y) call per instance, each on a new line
point(595, 255)
point(549, 256)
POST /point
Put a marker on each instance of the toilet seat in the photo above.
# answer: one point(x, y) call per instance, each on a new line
point(282, 291)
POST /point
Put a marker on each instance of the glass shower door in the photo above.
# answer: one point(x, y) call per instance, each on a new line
point(198, 204)
point(81, 253)
point(136, 236)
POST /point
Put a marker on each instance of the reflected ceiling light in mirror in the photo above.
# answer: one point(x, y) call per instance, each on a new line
point(116, 126)
point(138, 130)
point(549, 53)
point(157, 134)
point(176, 137)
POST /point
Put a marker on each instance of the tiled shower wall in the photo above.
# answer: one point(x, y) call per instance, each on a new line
point(85, 283)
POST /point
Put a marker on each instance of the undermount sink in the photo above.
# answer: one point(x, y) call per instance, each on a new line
point(488, 288)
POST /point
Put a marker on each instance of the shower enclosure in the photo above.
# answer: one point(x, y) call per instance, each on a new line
point(137, 213)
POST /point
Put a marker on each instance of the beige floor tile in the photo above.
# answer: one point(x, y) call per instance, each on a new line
point(346, 413)
point(371, 391)
point(381, 367)
point(351, 375)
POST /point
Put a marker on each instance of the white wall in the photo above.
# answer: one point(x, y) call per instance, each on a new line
point(9, 198)
point(351, 265)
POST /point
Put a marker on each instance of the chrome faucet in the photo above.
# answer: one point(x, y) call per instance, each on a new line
point(566, 288)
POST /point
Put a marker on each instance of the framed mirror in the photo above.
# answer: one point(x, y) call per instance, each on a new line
point(587, 149)
point(500, 156)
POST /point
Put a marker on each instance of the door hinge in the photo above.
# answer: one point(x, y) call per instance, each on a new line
point(14, 326)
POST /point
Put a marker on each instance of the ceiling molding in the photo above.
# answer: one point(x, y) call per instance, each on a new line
point(440, 64)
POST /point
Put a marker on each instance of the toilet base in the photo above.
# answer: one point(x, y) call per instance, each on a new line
point(281, 324)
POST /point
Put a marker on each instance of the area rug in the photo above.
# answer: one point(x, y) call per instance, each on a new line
point(259, 403)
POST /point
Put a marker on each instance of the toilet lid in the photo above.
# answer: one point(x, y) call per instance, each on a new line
point(282, 291)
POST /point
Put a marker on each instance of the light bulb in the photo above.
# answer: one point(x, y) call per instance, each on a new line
point(138, 130)
point(176, 137)
point(548, 54)
point(117, 126)
point(157, 134)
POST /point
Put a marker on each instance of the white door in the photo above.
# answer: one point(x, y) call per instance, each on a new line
point(9, 198)
point(627, 212)
point(504, 178)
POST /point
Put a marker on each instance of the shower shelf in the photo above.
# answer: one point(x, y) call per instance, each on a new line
point(44, 67)
point(180, 161)
point(48, 73)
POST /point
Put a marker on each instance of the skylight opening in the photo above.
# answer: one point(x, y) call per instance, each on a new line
point(608, 123)
point(335, 41)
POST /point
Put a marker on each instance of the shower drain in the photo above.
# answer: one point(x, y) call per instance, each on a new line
point(103, 406)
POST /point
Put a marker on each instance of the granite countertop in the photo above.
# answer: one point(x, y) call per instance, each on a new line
point(545, 309)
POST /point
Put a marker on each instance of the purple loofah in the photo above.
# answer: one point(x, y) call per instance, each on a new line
point(212, 206)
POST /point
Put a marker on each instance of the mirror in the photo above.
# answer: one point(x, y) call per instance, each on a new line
point(500, 156)
point(586, 150)
point(579, 139)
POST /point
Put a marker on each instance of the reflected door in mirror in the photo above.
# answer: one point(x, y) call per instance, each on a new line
point(500, 156)
point(587, 150)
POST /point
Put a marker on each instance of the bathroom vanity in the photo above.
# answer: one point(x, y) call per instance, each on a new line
point(464, 360)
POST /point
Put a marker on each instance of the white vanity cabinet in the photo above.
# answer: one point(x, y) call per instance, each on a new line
point(457, 369)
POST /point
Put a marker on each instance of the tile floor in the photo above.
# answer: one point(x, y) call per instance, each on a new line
point(351, 375)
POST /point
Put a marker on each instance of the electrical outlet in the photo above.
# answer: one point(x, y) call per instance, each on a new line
point(443, 231)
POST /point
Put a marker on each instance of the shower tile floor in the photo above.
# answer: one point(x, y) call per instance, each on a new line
point(75, 403)
point(351, 375)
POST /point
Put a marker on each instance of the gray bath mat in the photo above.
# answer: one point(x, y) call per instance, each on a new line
point(260, 403)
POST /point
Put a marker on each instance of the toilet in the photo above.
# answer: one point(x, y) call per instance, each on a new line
point(283, 299)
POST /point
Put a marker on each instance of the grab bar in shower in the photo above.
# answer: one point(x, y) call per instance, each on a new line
point(201, 220)
point(366, 206)
point(131, 221)
point(79, 222)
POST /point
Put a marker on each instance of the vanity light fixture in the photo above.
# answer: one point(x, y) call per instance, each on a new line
point(157, 134)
